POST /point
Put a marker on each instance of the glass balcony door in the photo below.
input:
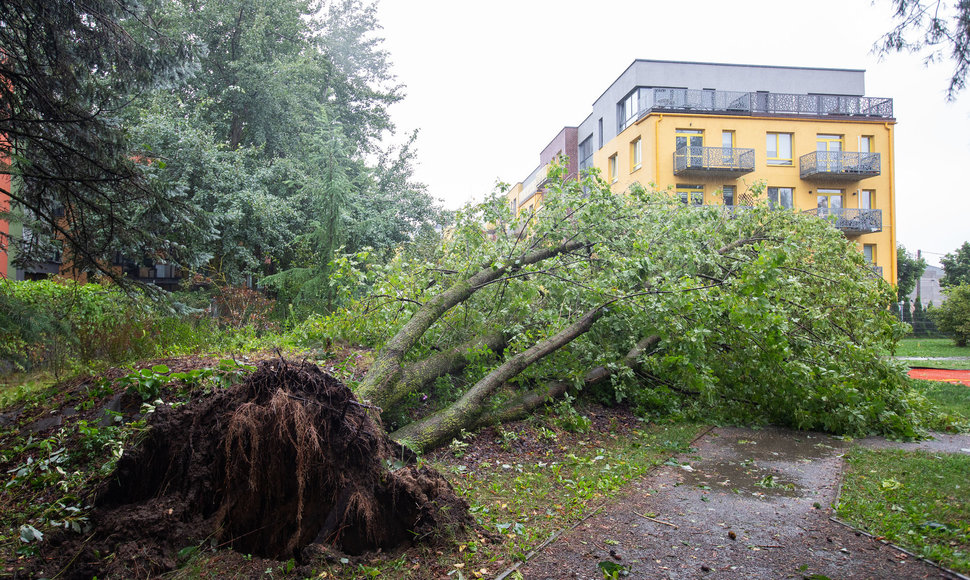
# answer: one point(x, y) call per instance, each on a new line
point(829, 148)
point(690, 146)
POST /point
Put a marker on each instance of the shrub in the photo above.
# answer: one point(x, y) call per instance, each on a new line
point(953, 316)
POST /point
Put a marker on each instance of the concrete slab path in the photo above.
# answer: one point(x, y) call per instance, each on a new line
point(742, 504)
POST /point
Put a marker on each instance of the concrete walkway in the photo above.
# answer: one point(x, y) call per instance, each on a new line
point(746, 504)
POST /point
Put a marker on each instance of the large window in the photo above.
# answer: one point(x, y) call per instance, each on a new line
point(586, 154)
point(867, 199)
point(691, 194)
point(614, 171)
point(628, 110)
point(865, 144)
point(869, 251)
point(636, 154)
point(779, 149)
point(728, 194)
point(780, 197)
point(829, 199)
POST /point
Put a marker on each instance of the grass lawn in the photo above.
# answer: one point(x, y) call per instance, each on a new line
point(951, 397)
point(930, 347)
point(917, 500)
point(524, 485)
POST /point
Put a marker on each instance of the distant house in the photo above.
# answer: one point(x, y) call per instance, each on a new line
point(928, 288)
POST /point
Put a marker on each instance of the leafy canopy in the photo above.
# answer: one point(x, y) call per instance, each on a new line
point(762, 315)
point(956, 267)
point(908, 272)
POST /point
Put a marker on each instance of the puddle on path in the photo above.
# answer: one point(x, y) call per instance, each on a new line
point(745, 478)
point(766, 446)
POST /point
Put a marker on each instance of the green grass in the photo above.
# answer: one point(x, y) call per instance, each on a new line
point(528, 499)
point(952, 398)
point(917, 500)
point(930, 347)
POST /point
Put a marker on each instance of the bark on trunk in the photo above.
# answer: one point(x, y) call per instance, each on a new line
point(453, 360)
point(524, 404)
point(378, 384)
point(437, 428)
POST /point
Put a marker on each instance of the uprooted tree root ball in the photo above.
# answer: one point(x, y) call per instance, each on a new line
point(287, 460)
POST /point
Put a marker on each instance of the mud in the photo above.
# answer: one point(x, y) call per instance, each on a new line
point(287, 463)
point(712, 514)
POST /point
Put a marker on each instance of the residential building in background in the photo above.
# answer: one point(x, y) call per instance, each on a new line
point(709, 131)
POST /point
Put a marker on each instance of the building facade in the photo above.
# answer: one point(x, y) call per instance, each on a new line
point(708, 132)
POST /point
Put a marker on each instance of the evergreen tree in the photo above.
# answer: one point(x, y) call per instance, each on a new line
point(68, 72)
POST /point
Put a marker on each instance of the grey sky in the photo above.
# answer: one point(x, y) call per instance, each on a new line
point(490, 83)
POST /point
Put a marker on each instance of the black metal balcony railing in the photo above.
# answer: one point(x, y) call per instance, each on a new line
point(850, 220)
point(760, 103)
point(839, 165)
point(713, 161)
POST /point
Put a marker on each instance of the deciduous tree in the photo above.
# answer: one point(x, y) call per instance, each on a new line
point(756, 315)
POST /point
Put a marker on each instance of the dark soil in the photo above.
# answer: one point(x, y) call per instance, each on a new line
point(285, 464)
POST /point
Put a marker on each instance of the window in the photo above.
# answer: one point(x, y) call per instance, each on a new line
point(636, 154)
point(689, 148)
point(779, 149)
point(828, 143)
point(780, 197)
point(628, 110)
point(586, 154)
point(865, 144)
point(691, 194)
point(728, 194)
point(867, 199)
point(600, 140)
point(869, 251)
point(727, 139)
point(829, 201)
point(613, 169)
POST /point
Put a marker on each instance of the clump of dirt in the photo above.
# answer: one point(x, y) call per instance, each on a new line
point(285, 461)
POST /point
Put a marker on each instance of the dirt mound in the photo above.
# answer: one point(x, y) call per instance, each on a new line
point(285, 460)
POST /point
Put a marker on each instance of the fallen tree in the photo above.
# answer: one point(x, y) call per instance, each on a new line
point(752, 315)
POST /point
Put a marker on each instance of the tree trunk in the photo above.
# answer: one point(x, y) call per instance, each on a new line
point(439, 427)
point(453, 360)
point(378, 384)
point(527, 402)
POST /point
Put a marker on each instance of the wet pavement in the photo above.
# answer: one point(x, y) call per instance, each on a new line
point(742, 504)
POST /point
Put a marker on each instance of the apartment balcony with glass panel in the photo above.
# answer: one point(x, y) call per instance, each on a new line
point(713, 161)
point(851, 221)
point(839, 165)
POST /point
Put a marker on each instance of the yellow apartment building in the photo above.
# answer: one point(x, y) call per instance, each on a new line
point(709, 131)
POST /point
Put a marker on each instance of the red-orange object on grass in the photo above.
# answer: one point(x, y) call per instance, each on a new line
point(944, 375)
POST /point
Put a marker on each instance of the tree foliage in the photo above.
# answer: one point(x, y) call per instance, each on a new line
point(953, 315)
point(67, 72)
point(908, 272)
point(188, 132)
point(756, 315)
point(956, 267)
point(937, 28)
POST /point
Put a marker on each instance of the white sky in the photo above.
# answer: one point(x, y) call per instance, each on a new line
point(489, 84)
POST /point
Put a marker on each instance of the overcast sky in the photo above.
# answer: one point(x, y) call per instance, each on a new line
point(489, 84)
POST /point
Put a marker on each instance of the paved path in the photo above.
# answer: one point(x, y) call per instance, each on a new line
point(746, 504)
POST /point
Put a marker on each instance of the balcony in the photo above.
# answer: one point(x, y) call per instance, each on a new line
point(839, 165)
point(713, 161)
point(758, 104)
point(851, 221)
